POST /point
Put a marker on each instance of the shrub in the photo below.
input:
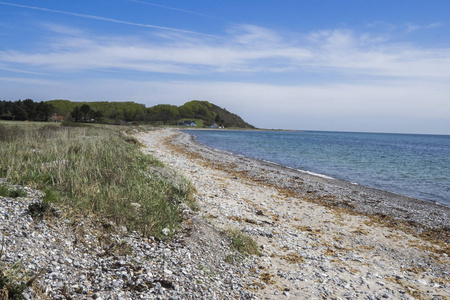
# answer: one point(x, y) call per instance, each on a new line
point(6, 191)
point(243, 243)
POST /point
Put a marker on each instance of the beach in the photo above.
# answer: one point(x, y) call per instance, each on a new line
point(316, 237)
point(319, 237)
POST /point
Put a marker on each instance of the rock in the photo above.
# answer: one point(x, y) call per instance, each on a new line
point(26, 296)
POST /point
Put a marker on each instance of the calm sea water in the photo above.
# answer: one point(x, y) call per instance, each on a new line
point(413, 165)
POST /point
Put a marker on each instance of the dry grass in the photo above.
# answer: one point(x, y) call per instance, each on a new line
point(94, 170)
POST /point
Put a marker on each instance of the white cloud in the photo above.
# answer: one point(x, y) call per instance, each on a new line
point(246, 49)
point(243, 52)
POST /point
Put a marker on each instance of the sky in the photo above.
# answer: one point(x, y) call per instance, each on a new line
point(338, 65)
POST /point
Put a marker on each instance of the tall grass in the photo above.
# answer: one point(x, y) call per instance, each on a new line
point(93, 170)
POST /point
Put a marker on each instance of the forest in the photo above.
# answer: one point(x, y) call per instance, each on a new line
point(26, 110)
point(120, 112)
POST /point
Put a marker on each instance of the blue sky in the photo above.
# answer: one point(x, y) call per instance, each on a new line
point(355, 65)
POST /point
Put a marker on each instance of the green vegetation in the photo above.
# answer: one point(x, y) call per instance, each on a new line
point(203, 113)
point(13, 279)
point(93, 170)
point(6, 191)
point(25, 110)
point(104, 110)
point(243, 243)
point(196, 110)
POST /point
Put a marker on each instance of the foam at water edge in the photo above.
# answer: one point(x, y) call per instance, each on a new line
point(316, 174)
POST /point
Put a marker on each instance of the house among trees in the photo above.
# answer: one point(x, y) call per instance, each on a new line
point(57, 118)
point(188, 123)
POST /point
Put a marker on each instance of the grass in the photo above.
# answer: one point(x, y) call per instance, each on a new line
point(6, 191)
point(93, 170)
point(243, 243)
point(13, 279)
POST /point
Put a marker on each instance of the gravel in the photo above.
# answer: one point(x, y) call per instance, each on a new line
point(76, 259)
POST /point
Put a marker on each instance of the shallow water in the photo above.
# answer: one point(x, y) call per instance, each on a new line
point(413, 165)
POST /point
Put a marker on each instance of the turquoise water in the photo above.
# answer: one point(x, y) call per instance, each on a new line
point(413, 165)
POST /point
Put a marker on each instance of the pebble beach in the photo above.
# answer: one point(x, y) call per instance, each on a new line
point(318, 239)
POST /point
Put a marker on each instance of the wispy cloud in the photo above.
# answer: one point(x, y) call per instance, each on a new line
point(243, 49)
point(177, 9)
point(99, 18)
point(405, 27)
point(23, 71)
point(249, 50)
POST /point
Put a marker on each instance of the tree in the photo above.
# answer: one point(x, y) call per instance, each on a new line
point(198, 109)
point(163, 113)
point(44, 111)
point(76, 114)
point(30, 108)
point(98, 116)
point(19, 111)
point(86, 111)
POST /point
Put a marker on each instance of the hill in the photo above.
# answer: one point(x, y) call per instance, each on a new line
point(203, 110)
point(166, 114)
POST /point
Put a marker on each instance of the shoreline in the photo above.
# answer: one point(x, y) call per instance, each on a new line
point(314, 243)
point(435, 199)
point(333, 192)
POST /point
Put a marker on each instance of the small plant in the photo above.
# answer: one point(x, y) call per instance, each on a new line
point(5, 191)
point(16, 193)
point(12, 280)
point(38, 209)
point(49, 195)
point(234, 259)
point(43, 207)
point(243, 243)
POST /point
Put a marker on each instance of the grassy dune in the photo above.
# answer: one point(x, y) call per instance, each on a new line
point(93, 170)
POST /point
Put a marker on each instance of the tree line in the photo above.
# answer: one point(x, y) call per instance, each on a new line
point(112, 112)
point(26, 110)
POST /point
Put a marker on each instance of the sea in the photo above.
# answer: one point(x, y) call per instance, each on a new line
point(414, 165)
